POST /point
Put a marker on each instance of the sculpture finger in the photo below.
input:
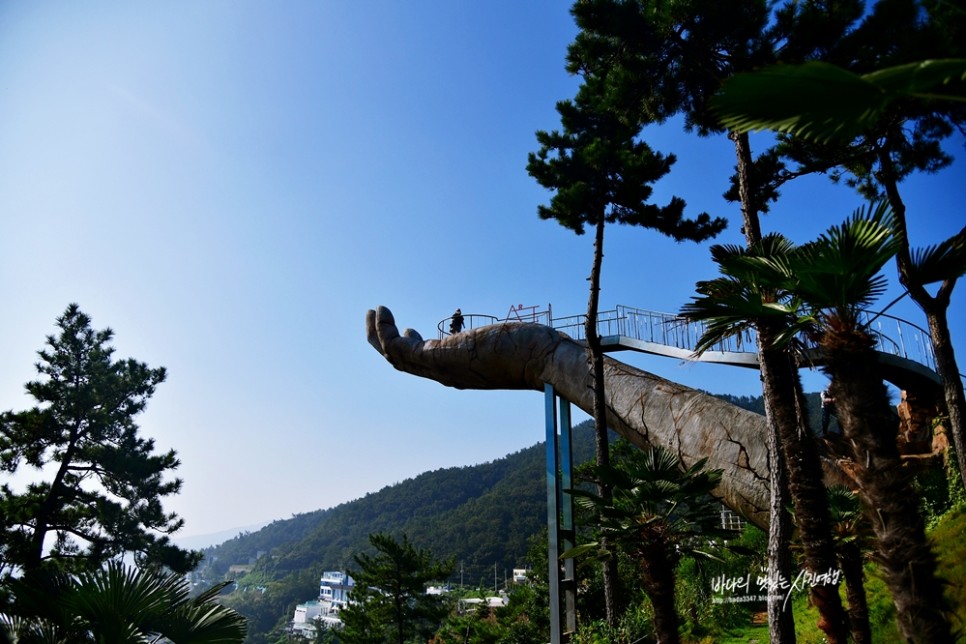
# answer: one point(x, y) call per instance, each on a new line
point(413, 335)
point(372, 335)
point(402, 351)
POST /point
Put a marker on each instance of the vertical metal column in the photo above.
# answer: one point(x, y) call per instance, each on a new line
point(560, 525)
point(568, 535)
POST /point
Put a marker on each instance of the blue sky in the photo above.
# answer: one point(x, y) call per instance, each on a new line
point(231, 185)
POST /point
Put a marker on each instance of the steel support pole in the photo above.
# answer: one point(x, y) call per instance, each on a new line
point(560, 525)
point(568, 533)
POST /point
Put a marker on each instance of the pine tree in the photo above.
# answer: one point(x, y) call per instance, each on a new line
point(603, 173)
point(100, 484)
point(389, 602)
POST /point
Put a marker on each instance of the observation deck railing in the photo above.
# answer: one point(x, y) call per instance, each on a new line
point(516, 314)
point(893, 335)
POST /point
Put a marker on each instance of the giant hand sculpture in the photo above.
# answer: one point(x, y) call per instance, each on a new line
point(643, 408)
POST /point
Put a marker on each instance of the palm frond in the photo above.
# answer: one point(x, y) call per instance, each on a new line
point(583, 550)
point(795, 99)
point(928, 79)
point(946, 260)
point(121, 604)
point(823, 102)
point(749, 292)
point(840, 270)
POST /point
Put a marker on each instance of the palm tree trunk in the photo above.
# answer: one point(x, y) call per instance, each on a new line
point(850, 557)
point(658, 577)
point(602, 447)
point(907, 561)
point(804, 475)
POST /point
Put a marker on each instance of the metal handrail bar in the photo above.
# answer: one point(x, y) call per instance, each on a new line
point(470, 321)
point(675, 331)
point(516, 315)
point(893, 335)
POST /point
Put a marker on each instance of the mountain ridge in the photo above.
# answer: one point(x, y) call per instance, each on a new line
point(484, 517)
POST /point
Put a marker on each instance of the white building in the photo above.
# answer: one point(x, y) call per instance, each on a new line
point(307, 612)
point(305, 617)
point(334, 588)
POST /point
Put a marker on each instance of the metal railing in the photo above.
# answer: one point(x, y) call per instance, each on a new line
point(516, 315)
point(893, 335)
point(470, 321)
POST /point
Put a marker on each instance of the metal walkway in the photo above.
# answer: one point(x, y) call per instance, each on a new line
point(905, 350)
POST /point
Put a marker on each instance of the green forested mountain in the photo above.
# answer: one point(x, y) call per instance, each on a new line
point(484, 516)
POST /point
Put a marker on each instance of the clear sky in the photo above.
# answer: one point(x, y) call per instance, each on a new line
point(230, 185)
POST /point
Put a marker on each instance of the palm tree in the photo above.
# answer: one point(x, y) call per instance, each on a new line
point(833, 279)
point(729, 306)
point(825, 103)
point(659, 512)
point(853, 540)
point(116, 604)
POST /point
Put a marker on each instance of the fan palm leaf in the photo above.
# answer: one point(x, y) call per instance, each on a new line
point(839, 272)
point(118, 604)
point(652, 495)
point(943, 261)
point(823, 102)
point(749, 292)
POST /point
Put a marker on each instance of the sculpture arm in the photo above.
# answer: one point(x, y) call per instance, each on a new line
point(642, 407)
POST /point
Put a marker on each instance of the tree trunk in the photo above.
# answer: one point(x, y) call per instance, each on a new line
point(935, 309)
point(850, 556)
point(43, 517)
point(602, 446)
point(751, 227)
point(948, 371)
point(795, 454)
point(907, 561)
point(804, 475)
point(658, 574)
point(781, 622)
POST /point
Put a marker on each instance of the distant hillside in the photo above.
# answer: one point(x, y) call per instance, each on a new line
point(484, 516)
point(502, 500)
point(201, 541)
